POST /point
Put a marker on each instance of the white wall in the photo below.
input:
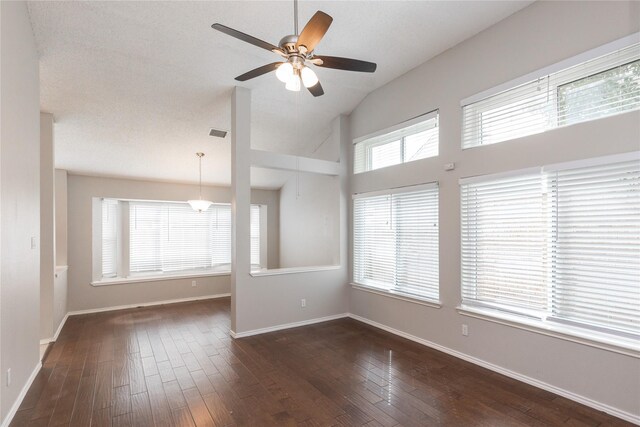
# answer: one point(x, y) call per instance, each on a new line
point(61, 216)
point(47, 226)
point(310, 221)
point(19, 202)
point(81, 189)
point(60, 284)
point(540, 35)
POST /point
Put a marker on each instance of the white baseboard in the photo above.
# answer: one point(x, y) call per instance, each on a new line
point(287, 326)
point(146, 304)
point(632, 418)
point(57, 334)
point(23, 393)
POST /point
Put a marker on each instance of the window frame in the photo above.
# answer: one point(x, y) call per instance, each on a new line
point(434, 114)
point(393, 290)
point(548, 324)
point(540, 76)
point(123, 274)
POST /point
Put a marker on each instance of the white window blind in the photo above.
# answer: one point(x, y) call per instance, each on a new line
point(396, 241)
point(172, 237)
point(417, 139)
point(596, 275)
point(600, 87)
point(255, 235)
point(560, 244)
point(504, 236)
point(109, 237)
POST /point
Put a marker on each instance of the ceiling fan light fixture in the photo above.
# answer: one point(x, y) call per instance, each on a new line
point(284, 72)
point(294, 83)
point(309, 77)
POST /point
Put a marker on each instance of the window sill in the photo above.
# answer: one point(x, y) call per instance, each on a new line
point(622, 345)
point(125, 280)
point(292, 270)
point(395, 295)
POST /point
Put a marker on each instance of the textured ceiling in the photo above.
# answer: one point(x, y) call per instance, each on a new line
point(135, 86)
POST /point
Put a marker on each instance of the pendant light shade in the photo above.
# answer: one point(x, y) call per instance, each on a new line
point(200, 205)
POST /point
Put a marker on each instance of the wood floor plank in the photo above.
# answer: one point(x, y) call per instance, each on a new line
point(174, 395)
point(198, 409)
point(50, 394)
point(64, 406)
point(136, 374)
point(141, 410)
point(121, 400)
point(101, 417)
point(104, 385)
point(182, 417)
point(159, 404)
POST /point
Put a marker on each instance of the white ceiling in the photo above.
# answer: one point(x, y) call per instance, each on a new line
point(135, 86)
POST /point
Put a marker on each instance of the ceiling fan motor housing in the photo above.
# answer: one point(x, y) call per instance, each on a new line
point(288, 43)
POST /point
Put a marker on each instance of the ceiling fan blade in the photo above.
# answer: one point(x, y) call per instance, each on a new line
point(258, 71)
point(316, 90)
point(344, 64)
point(313, 32)
point(247, 38)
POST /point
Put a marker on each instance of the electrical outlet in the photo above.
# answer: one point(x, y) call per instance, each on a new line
point(449, 166)
point(8, 377)
point(33, 243)
point(303, 303)
point(465, 330)
point(193, 283)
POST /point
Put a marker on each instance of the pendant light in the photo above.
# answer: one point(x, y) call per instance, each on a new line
point(200, 205)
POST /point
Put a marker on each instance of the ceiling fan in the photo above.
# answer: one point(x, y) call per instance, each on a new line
point(297, 52)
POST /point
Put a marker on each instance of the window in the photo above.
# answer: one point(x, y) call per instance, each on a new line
point(558, 244)
point(409, 141)
point(396, 241)
point(603, 86)
point(255, 236)
point(109, 237)
point(148, 239)
point(172, 237)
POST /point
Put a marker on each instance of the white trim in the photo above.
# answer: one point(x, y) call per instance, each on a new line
point(628, 347)
point(57, 334)
point(554, 68)
point(395, 295)
point(146, 304)
point(293, 270)
point(140, 279)
point(500, 175)
point(409, 122)
point(287, 326)
point(593, 161)
point(573, 164)
point(288, 162)
point(397, 190)
point(507, 372)
point(23, 393)
point(62, 323)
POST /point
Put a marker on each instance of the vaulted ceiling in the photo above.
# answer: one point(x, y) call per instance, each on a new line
point(135, 86)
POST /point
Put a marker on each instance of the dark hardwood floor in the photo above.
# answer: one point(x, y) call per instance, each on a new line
point(175, 365)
